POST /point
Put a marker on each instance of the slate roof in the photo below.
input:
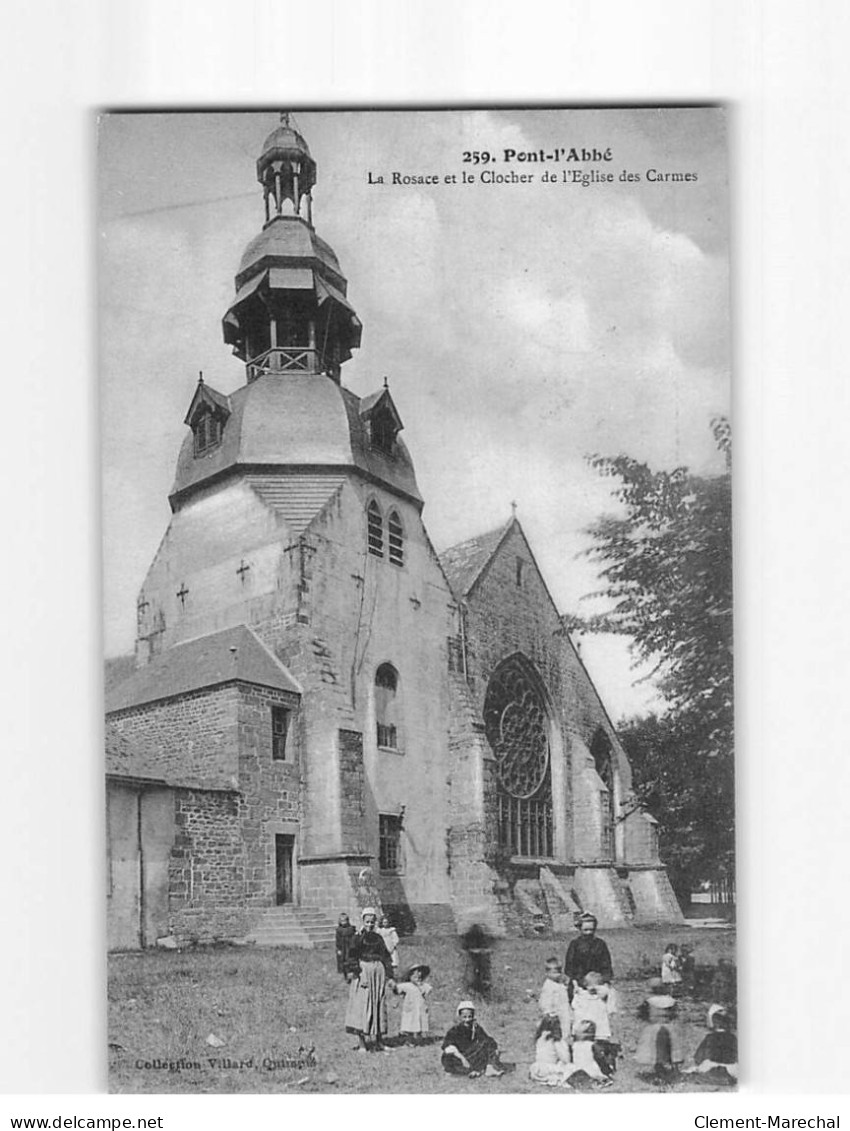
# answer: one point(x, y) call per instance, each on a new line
point(299, 422)
point(130, 761)
point(125, 759)
point(464, 563)
point(205, 392)
point(298, 498)
point(205, 662)
point(289, 238)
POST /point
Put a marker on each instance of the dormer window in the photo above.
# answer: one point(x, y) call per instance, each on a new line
point(207, 417)
point(383, 432)
point(382, 421)
point(206, 429)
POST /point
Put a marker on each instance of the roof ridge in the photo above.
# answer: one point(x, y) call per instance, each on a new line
point(259, 640)
point(464, 576)
point(202, 663)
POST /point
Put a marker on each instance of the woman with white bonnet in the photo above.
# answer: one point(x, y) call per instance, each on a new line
point(369, 973)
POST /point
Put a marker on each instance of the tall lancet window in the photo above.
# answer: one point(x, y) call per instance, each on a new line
point(603, 761)
point(387, 707)
point(396, 538)
point(375, 529)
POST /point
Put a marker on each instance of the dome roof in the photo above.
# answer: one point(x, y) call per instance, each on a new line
point(287, 237)
point(285, 137)
point(294, 420)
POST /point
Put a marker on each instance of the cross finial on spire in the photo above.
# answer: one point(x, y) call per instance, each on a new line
point(513, 508)
point(200, 376)
point(386, 383)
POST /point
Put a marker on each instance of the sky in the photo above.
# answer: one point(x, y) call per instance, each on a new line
point(522, 326)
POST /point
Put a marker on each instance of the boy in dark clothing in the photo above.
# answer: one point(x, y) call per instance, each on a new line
point(467, 1049)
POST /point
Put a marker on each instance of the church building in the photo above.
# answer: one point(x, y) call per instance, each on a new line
point(324, 712)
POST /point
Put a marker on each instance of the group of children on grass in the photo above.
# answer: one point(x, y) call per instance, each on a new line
point(576, 1043)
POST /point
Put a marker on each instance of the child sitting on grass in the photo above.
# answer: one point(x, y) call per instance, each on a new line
point(468, 1050)
point(716, 1058)
point(415, 1021)
point(552, 1063)
point(584, 1037)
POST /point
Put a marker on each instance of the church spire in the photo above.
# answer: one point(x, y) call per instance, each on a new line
point(286, 171)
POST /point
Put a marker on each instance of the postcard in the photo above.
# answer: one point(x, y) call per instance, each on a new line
point(418, 600)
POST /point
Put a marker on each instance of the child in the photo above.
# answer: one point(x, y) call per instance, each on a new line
point(595, 1001)
point(584, 1036)
point(716, 1057)
point(468, 1050)
point(552, 1065)
point(554, 996)
point(390, 936)
point(671, 967)
point(687, 965)
point(414, 1012)
point(344, 934)
point(660, 1045)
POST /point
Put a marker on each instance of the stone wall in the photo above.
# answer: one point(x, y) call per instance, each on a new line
point(191, 739)
point(208, 541)
point(472, 845)
point(505, 618)
point(355, 612)
point(270, 791)
point(352, 790)
point(207, 873)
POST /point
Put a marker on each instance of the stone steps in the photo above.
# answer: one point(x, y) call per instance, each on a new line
point(304, 927)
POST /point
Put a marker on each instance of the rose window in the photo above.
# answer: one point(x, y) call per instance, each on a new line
point(517, 728)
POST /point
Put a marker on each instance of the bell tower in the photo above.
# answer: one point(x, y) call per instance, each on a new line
point(286, 171)
point(290, 313)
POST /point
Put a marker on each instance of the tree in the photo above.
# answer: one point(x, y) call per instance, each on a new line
point(667, 573)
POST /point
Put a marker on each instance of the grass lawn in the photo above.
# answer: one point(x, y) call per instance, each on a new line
point(266, 1004)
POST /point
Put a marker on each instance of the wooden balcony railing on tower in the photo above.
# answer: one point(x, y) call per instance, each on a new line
point(285, 359)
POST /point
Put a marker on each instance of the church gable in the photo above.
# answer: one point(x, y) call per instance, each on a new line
point(511, 611)
point(500, 566)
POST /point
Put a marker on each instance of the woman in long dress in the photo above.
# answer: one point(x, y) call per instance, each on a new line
point(369, 972)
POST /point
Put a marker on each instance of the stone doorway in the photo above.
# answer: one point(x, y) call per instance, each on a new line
point(284, 847)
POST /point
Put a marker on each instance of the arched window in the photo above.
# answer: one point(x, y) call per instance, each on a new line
point(396, 538)
point(387, 707)
point(516, 723)
point(600, 749)
point(375, 529)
